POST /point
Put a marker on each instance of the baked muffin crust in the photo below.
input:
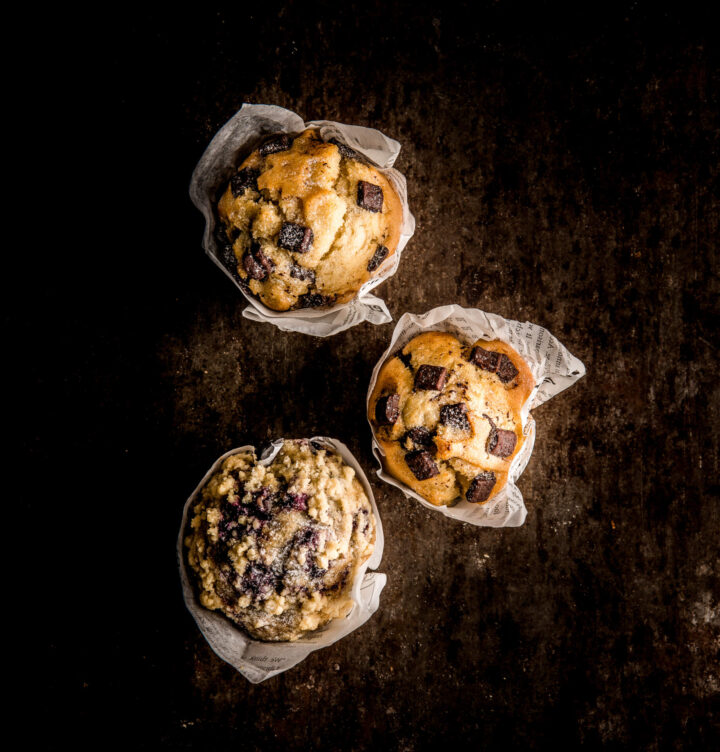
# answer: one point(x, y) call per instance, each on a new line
point(448, 416)
point(304, 223)
point(277, 548)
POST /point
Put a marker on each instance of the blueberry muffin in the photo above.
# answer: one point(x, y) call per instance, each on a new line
point(304, 223)
point(447, 416)
point(276, 548)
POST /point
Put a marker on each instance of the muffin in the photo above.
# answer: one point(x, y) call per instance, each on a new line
point(277, 548)
point(304, 223)
point(448, 416)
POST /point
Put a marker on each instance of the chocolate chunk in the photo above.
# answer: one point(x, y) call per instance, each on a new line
point(481, 487)
point(266, 261)
point(315, 300)
point(246, 178)
point(300, 272)
point(295, 237)
point(501, 443)
point(369, 196)
point(254, 269)
point(485, 359)
point(430, 377)
point(419, 438)
point(495, 362)
point(378, 257)
point(256, 263)
point(455, 416)
point(278, 143)
point(506, 371)
point(422, 464)
point(347, 152)
point(387, 409)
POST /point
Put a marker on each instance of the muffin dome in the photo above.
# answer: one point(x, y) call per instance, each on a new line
point(304, 223)
point(448, 416)
point(277, 548)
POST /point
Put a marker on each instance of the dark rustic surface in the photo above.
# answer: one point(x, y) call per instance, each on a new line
point(561, 170)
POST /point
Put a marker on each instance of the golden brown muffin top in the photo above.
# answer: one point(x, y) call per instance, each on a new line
point(305, 223)
point(448, 416)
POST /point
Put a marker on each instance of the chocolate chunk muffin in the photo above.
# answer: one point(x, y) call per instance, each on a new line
point(447, 416)
point(304, 223)
point(277, 548)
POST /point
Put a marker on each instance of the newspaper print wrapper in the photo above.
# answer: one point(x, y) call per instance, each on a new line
point(257, 660)
point(552, 366)
point(233, 142)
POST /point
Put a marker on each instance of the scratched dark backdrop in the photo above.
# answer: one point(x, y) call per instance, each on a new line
point(562, 169)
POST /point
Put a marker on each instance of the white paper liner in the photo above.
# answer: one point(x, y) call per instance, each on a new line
point(257, 660)
point(235, 140)
point(551, 364)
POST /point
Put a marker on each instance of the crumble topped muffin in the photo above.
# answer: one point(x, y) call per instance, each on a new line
point(304, 223)
point(276, 548)
point(448, 416)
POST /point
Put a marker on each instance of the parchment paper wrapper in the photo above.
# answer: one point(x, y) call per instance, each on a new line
point(551, 364)
point(257, 660)
point(233, 142)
